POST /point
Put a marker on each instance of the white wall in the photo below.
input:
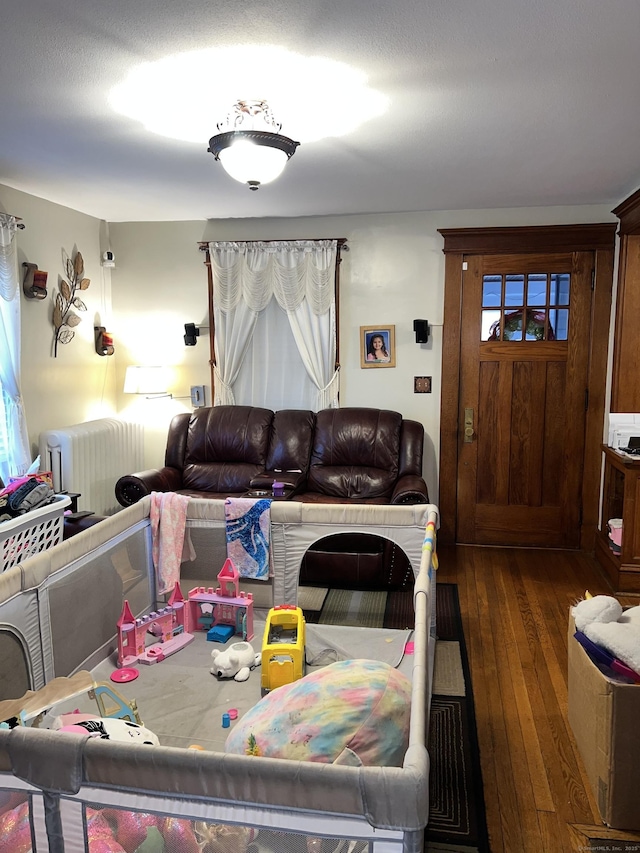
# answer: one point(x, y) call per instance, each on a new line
point(393, 274)
point(78, 385)
point(159, 283)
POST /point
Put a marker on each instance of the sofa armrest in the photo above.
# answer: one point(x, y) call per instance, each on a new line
point(133, 487)
point(410, 489)
point(293, 480)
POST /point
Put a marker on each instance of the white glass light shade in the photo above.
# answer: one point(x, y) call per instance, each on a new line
point(244, 161)
point(146, 380)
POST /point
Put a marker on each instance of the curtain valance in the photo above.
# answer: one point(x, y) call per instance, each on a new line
point(288, 270)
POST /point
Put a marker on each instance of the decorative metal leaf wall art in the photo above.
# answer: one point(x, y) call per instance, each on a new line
point(67, 299)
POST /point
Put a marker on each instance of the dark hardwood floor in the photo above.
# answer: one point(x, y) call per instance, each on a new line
point(515, 610)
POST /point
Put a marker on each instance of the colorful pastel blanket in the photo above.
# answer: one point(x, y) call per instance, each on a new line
point(248, 525)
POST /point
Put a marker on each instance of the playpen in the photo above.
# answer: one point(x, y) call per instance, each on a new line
point(58, 611)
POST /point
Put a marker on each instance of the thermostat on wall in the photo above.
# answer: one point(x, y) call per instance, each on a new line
point(197, 396)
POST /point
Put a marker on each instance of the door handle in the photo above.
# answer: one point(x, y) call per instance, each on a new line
point(469, 430)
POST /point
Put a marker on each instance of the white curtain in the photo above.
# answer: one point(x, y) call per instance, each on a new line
point(15, 457)
point(255, 361)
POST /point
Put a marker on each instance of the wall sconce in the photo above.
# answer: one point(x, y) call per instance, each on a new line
point(104, 341)
point(422, 329)
point(34, 285)
point(148, 381)
point(191, 332)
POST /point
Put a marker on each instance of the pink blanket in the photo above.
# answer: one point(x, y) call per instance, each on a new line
point(170, 540)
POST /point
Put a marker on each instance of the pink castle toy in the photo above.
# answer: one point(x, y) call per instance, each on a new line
point(166, 624)
point(226, 605)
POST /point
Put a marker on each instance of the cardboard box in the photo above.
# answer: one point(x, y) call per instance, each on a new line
point(604, 716)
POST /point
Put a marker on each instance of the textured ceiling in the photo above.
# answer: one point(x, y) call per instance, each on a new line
point(492, 103)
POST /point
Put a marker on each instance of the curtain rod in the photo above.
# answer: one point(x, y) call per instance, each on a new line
point(18, 219)
point(341, 241)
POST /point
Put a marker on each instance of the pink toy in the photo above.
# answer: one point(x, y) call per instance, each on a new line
point(226, 605)
point(167, 624)
point(74, 730)
point(15, 830)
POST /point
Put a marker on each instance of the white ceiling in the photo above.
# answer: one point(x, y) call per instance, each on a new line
point(492, 103)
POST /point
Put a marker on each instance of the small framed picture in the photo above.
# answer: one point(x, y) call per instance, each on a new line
point(377, 346)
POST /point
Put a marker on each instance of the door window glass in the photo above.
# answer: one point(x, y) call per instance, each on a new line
point(536, 289)
point(516, 307)
point(490, 320)
point(560, 289)
point(491, 291)
point(514, 290)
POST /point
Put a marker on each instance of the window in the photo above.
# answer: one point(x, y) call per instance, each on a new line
point(274, 321)
point(4, 449)
point(14, 442)
point(531, 307)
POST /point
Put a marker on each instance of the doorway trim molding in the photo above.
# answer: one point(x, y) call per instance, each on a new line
point(458, 242)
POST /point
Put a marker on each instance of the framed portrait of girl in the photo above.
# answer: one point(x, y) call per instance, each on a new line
point(377, 346)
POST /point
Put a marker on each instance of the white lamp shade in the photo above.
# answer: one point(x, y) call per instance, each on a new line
point(246, 162)
point(146, 380)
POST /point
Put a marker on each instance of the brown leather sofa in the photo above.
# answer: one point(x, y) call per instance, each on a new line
point(347, 455)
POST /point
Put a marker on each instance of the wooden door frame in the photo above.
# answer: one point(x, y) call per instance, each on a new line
point(458, 242)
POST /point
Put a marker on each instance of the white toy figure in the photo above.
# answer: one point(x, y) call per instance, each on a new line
point(235, 662)
point(602, 619)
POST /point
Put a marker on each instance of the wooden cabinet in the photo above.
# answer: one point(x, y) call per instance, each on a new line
point(620, 499)
point(621, 492)
point(625, 387)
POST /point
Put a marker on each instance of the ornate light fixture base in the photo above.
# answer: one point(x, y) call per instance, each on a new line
point(248, 153)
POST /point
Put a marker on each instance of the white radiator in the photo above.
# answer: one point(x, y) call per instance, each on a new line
point(89, 458)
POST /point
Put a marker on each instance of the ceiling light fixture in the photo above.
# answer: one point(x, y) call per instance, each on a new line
point(250, 146)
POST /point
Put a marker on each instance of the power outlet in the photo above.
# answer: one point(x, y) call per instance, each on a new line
point(197, 396)
point(421, 384)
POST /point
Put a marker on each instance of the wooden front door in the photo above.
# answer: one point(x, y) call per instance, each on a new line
point(525, 341)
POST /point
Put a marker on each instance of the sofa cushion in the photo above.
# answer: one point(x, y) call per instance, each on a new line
point(226, 447)
point(355, 453)
point(291, 440)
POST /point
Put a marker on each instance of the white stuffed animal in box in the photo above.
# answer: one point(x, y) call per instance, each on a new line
point(602, 619)
point(235, 662)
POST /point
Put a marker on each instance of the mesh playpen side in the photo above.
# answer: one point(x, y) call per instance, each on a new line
point(291, 805)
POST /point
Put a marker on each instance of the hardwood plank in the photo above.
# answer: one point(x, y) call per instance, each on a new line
point(470, 594)
point(520, 668)
point(514, 704)
point(552, 831)
point(559, 749)
point(496, 722)
point(515, 609)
